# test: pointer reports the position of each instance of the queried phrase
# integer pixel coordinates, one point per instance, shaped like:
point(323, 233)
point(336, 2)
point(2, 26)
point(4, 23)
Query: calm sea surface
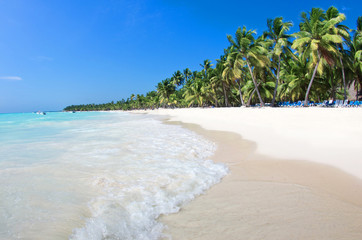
point(97, 175)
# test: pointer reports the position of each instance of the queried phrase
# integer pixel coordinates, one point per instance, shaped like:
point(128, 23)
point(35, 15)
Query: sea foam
point(102, 176)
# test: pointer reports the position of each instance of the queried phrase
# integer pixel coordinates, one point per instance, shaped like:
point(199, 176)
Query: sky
point(63, 52)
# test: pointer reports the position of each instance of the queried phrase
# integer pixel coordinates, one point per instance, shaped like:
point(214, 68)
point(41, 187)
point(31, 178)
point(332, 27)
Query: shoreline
point(330, 136)
point(267, 197)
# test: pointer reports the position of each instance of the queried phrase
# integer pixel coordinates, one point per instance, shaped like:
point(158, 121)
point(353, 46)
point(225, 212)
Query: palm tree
point(216, 81)
point(164, 90)
point(178, 78)
point(280, 43)
point(252, 52)
point(195, 93)
point(132, 96)
point(356, 50)
point(249, 91)
point(317, 41)
point(206, 66)
point(233, 72)
point(342, 31)
point(187, 73)
point(295, 77)
point(152, 99)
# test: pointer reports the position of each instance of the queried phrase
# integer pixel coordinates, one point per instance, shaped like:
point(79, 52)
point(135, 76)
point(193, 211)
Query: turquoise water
point(97, 175)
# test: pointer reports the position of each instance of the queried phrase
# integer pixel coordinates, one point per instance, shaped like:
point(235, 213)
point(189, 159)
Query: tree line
point(319, 62)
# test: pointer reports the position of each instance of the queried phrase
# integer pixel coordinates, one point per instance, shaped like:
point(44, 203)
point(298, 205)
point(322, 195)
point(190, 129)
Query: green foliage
point(264, 69)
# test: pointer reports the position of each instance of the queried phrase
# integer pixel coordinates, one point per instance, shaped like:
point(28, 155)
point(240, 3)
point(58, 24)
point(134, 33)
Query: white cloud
point(11, 78)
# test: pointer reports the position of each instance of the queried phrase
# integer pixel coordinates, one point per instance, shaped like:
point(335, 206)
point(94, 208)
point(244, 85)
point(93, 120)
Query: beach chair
point(340, 103)
point(331, 103)
point(345, 104)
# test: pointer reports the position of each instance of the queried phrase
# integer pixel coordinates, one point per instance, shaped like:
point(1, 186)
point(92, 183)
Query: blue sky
point(63, 52)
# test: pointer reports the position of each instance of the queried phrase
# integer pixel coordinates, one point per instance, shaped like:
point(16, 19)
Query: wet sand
point(297, 176)
point(266, 198)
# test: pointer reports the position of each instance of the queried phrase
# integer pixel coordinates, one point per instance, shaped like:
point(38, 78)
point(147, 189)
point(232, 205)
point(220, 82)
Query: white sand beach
point(295, 173)
point(330, 136)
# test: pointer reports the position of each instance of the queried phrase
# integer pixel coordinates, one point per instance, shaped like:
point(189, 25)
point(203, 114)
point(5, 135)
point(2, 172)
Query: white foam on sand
point(269, 194)
point(330, 136)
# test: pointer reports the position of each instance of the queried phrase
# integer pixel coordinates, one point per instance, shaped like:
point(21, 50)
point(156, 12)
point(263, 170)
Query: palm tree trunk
point(344, 79)
point(311, 82)
point(226, 96)
point(334, 92)
point(256, 86)
point(251, 95)
point(215, 97)
point(357, 90)
point(199, 101)
point(276, 83)
point(241, 95)
point(334, 88)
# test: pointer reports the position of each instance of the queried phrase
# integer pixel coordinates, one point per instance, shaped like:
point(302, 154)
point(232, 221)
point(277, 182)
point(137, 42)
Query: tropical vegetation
point(318, 62)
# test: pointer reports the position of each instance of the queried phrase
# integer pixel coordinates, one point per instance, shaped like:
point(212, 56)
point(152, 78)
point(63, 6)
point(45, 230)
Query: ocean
point(97, 175)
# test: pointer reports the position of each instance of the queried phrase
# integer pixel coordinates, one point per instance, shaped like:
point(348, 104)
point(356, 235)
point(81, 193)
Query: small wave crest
point(164, 169)
point(98, 175)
